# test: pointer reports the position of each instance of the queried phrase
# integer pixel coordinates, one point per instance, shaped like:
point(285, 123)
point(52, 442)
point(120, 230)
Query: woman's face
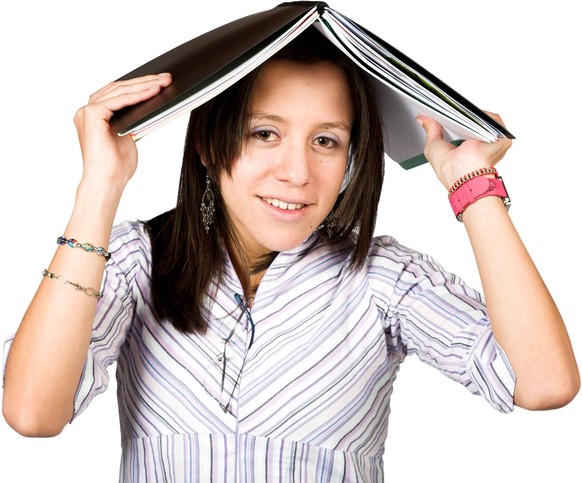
point(294, 155)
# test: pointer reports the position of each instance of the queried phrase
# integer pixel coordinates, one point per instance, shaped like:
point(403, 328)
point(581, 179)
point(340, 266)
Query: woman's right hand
point(107, 157)
point(49, 351)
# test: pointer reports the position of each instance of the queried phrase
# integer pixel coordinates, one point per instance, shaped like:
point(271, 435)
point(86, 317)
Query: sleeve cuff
point(491, 374)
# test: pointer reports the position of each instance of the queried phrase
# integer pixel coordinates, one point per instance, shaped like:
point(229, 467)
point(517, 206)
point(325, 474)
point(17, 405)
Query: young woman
point(258, 326)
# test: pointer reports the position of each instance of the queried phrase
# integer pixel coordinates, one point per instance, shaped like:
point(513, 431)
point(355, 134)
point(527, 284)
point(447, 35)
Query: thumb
point(436, 147)
point(433, 129)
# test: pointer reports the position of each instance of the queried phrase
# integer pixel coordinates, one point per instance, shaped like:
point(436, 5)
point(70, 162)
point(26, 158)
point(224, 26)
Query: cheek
point(333, 175)
point(249, 168)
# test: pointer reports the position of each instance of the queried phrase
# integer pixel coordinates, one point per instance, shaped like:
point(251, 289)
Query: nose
point(293, 165)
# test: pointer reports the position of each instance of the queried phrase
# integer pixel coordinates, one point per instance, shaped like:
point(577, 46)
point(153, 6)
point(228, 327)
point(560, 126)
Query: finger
point(495, 117)
point(127, 82)
point(433, 129)
point(502, 144)
point(131, 85)
point(120, 88)
point(498, 149)
point(120, 95)
point(435, 143)
point(104, 108)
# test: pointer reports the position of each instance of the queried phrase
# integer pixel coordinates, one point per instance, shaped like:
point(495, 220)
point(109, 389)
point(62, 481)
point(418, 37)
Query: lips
point(283, 205)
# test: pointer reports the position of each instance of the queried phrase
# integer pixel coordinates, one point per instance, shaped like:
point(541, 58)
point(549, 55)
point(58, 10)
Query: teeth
point(284, 206)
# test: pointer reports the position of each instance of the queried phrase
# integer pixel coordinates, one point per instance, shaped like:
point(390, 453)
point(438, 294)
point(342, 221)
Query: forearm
point(48, 354)
point(524, 317)
point(47, 357)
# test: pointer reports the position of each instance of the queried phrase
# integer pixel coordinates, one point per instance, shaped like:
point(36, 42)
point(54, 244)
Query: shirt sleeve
point(126, 280)
point(435, 315)
point(129, 263)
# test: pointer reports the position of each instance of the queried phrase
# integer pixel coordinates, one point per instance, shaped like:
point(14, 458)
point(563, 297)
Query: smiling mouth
point(283, 205)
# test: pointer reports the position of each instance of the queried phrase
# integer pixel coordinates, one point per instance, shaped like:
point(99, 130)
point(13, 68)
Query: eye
point(266, 135)
point(325, 142)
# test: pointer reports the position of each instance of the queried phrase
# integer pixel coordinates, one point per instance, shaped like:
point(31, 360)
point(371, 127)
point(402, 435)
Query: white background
point(517, 60)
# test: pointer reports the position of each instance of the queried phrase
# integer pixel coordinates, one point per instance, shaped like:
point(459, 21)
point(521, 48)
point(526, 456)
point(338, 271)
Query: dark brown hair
point(185, 258)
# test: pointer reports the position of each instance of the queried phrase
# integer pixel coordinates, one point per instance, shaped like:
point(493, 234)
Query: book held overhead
point(207, 65)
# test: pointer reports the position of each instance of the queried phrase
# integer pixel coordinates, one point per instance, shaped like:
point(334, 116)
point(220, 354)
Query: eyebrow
point(324, 125)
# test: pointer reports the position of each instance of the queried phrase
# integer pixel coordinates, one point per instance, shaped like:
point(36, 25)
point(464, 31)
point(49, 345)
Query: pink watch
point(475, 189)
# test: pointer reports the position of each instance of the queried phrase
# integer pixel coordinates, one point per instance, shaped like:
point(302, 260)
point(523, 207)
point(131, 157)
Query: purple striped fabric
point(313, 392)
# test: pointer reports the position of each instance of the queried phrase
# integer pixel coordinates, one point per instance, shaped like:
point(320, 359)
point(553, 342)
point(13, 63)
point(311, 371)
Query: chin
point(285, 243)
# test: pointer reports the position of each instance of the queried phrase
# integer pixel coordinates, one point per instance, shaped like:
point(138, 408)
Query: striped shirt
point(308, 399)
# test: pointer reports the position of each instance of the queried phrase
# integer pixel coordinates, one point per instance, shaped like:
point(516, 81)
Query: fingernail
point(419, 122)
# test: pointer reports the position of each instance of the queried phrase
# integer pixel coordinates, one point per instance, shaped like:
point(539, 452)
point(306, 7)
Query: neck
point(250, 270)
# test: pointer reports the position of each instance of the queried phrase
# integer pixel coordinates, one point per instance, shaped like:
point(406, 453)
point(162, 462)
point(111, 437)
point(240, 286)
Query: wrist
point(101, 191)
point(474, 187)
point(488, 171)
point(96, 202)
point(453, 173)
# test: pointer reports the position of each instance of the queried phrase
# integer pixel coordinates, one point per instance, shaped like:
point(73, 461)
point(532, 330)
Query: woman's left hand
point(451, 162)
point(525, 320)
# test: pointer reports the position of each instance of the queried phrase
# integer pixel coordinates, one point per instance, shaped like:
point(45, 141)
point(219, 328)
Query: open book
point(207, 65)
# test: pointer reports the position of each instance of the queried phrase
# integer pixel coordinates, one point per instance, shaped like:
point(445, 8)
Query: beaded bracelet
point(473, 174)
point(91, 292)
point(85, 246)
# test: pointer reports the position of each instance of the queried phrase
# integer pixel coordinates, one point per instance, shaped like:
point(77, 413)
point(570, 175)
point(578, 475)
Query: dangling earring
point(207, 205)
point(329, 224)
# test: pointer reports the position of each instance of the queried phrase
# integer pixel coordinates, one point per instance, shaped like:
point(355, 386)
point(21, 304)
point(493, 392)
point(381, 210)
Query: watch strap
point(475, 189)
